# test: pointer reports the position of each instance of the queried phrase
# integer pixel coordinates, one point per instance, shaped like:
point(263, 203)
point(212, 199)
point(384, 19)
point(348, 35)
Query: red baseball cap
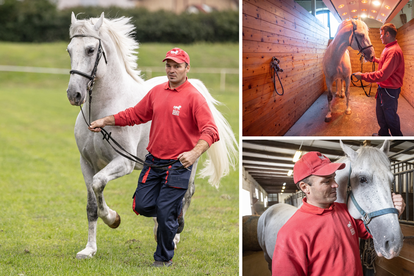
point(177, 55)
point(314, 163)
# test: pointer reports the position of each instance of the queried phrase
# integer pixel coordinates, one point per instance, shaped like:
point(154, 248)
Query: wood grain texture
point(283, 29)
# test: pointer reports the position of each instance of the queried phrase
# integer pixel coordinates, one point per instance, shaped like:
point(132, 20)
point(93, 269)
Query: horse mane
point(120, 30)
point(349, 21)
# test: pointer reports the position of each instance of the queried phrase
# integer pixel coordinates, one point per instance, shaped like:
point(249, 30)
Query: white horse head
point(370, 181)
point(358, 34)
point(117, 45)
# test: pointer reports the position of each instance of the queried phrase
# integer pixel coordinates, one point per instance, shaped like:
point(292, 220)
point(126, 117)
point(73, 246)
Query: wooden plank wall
point(283, 29)
point(405, 38)
point(404, 263)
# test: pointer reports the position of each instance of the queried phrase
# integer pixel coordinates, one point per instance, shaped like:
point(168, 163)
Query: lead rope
point(362, 85)
point(274, 64)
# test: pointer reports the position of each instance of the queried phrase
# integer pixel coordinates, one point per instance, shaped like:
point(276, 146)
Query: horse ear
point(98, 24)
point(348, 151)
point(73, 18)
point(386, 147)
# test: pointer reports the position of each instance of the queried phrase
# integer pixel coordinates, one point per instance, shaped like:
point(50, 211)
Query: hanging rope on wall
point(274, 65)
point(361, 59)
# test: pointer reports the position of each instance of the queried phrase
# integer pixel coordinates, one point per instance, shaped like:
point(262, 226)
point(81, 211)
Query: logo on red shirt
point(176, 110)
point(351, 228)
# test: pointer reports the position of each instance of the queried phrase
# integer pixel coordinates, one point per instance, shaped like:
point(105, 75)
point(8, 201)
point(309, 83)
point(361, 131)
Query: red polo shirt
point(390, 73)
point(180, 117)
point(316, 241)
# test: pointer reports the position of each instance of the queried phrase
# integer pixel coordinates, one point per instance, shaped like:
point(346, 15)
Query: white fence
point(147, 70)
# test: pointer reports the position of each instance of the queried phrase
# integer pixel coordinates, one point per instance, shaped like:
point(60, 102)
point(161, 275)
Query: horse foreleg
point(91, 210)
point(347, 84)
point(116, 168)
point(328, 116)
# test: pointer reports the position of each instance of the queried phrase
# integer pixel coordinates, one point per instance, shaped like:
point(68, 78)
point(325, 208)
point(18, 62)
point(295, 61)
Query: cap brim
point(178, 60)
point(329, 169)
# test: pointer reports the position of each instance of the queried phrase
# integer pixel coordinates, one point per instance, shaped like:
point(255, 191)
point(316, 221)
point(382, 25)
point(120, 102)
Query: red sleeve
point(390, 64)
point(362, 231)
point(286, 259)
point(206, 124)
point(139, 114)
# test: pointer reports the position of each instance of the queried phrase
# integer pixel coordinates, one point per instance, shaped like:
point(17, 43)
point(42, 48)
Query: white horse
point(336, 62)
point(370, 181)
point(119, 86)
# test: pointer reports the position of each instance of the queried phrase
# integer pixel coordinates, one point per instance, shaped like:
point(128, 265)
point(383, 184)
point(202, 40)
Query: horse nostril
point(78, 96)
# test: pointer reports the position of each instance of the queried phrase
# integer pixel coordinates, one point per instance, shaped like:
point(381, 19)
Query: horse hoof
point(327, 119)
point(85, 254)
point(117, 222)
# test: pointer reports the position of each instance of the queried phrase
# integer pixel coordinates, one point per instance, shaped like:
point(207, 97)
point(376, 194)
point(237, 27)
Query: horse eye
point(91, 50)
point(363, 180)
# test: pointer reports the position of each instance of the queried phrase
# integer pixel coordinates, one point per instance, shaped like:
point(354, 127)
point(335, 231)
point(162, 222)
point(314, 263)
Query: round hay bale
point(250, 242)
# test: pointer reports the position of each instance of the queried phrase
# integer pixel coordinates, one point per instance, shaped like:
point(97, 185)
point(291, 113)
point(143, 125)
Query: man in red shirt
point(389, 77)
point(182, 128)
point(321, 238)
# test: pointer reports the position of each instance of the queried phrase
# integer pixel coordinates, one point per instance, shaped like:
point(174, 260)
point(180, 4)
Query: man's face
point(384, 37)
point(322, 191)
point(176, 72)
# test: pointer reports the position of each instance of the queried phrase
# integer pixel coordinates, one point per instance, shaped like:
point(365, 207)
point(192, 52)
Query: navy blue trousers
point(386, 109)
point(160, 194)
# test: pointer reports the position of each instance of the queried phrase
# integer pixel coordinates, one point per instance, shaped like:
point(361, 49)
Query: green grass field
point(43, 220)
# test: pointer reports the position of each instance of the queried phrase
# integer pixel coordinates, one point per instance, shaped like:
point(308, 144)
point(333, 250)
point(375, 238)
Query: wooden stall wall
point(285, 30)
point(404, 263)
point(405, 38)
point(374, 36)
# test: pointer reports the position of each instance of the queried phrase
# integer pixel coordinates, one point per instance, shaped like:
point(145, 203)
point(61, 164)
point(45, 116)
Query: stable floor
point(361, 122)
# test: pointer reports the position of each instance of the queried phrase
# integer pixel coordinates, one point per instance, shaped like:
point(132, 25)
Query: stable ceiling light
point(341, 6)
point(363, 15)
point(387, 7)
point(355, 16)
point(374, 11)
point(376, 3)
point(284, 184)
point(289, 173)
point(383, 14)
point(296, 156)
point(364, 1)
point(353, 10)
point(364, 10)
point(345, 13)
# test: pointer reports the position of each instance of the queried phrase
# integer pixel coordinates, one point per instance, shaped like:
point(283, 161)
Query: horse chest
point(94, 150)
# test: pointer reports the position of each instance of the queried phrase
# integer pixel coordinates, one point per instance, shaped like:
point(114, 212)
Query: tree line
point(41, 21)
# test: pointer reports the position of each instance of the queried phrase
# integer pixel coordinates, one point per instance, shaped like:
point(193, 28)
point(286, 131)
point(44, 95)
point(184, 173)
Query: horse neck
point(116, 83)
point(340, 43)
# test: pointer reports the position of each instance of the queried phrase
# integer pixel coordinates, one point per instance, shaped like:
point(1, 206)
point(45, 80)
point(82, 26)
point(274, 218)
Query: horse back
point(269, 224)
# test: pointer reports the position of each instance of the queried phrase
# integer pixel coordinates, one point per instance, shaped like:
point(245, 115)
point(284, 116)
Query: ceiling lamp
point(296, 157)
point(290, 172)
point(374, 11)
point(376, 3)
point(380, 20)
point(364, 1)
point(345, 13)
point(355, 16)
point(341, 6)
point(354, 11)
point(387, 7)
point(383, 14)
point(363, 15)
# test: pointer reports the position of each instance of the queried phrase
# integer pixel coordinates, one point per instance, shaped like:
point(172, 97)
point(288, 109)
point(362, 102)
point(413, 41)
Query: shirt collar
point(390, 44)
point(177, 89)
point(309, 208)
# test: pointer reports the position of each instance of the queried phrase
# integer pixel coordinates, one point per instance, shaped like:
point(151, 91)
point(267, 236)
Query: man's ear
point(304, 187)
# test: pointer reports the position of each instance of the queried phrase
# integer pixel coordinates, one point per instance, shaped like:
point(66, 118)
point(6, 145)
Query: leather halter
point(367, 217)
point(361, 49)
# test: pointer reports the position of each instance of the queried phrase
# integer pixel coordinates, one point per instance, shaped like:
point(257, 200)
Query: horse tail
point(222, 154)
